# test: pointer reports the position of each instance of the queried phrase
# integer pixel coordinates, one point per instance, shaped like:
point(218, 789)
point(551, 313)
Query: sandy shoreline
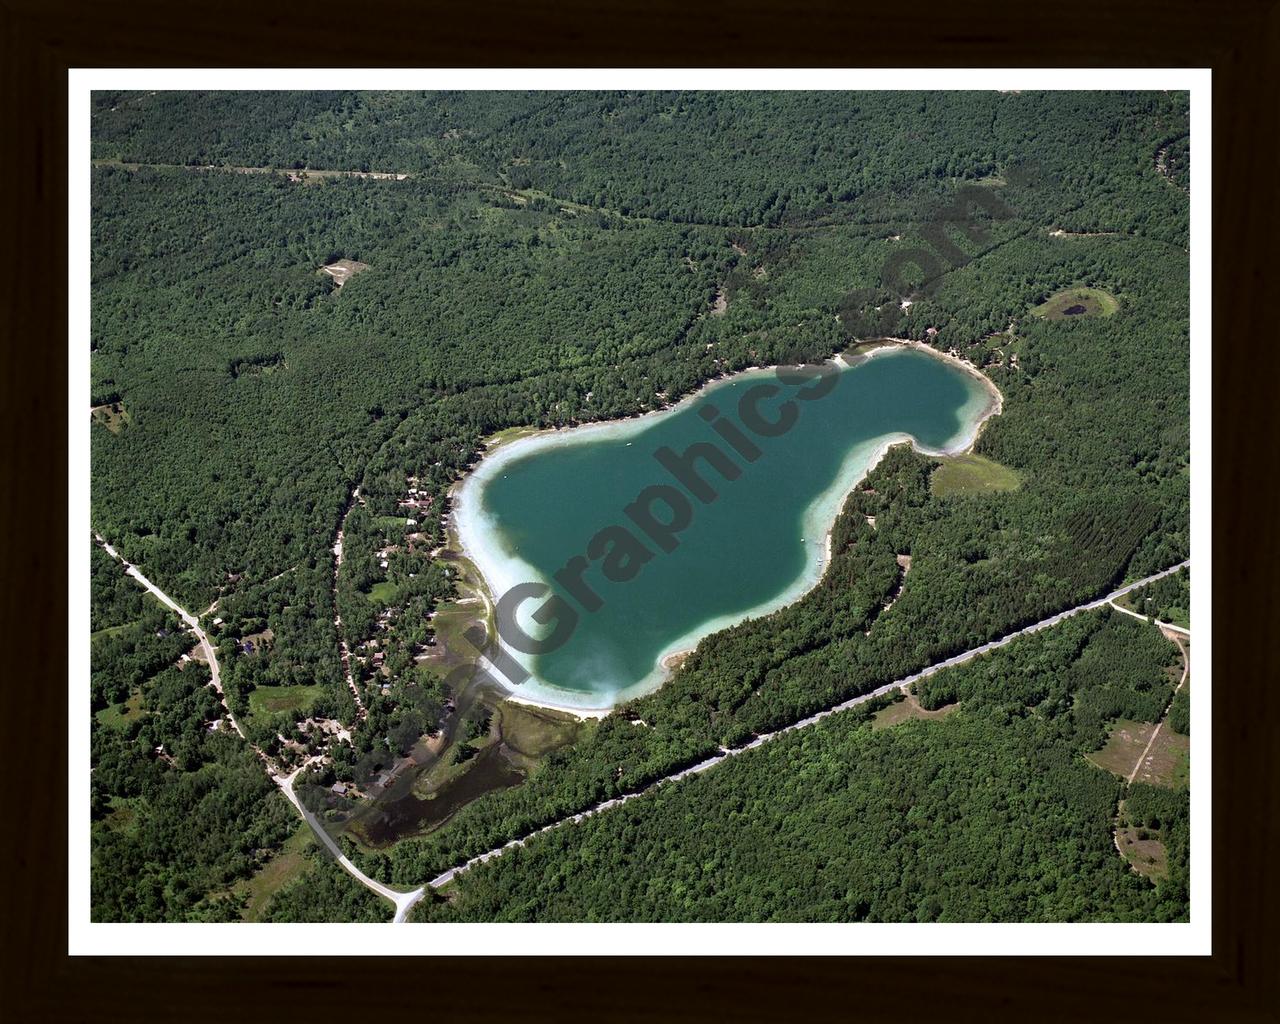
point(500, 450)
point(582, 714)
point(995, 407)
point(522, 435)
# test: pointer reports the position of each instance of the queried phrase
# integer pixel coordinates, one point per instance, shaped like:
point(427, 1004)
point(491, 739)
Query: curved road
point(188, 618)
point(1142, 618)
point(404, 901)
point(725, 754)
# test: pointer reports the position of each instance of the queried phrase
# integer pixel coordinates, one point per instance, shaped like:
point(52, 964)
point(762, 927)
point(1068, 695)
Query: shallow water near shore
point(757, 545)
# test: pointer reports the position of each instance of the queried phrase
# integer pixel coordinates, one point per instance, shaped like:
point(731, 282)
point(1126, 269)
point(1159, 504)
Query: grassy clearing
point(290, 863)
point(386, 593)
point(114, 417)
point(1125, 743)
point(117, 716)
point(1077, 302)
point(112, 631)
point(1144, 851)
point(504, 437)
point(429, 783)
point(123, 816)
point(972, 474)
point(535, 732)
point(271, 700)
point(451, 650)
point(905, 710)
point(1168, 762)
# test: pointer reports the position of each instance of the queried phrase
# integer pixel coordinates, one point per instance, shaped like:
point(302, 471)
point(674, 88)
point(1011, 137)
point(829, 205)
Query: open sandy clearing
point(343, 270)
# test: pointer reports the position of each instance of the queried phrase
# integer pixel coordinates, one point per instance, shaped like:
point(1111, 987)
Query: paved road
point(188, 618)
point(403, 901)
point(725, 754)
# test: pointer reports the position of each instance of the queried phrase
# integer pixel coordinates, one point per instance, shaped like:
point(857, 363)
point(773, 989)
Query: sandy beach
point(500, 571)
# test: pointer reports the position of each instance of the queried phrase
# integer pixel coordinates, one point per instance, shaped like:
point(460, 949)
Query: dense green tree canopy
point(551, 259)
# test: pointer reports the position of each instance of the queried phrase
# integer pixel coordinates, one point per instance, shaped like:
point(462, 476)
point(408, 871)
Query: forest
point(551, 259)
point(1165, 600)
point(989, 814)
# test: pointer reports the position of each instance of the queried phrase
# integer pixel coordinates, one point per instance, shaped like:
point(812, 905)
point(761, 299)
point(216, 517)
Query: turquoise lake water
point(756, 545)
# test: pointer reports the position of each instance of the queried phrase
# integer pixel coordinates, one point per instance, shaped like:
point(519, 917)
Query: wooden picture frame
point(1239, 40)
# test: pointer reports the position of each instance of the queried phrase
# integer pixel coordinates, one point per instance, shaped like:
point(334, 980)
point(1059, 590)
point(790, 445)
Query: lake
point(634, 539)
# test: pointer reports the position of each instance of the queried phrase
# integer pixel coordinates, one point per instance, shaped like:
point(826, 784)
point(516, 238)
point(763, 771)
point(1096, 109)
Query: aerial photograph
point(638, 506)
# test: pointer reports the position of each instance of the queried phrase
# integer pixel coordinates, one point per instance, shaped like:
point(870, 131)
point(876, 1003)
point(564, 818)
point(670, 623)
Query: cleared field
point(111, 631)
point(1146, 856)
point(905, 710)
point(385, 592)
point(972, 474)
point(1168, 762)
point(1077, 302)
point(343, 270)
point(274, 875)
point(503, 437)
point(535, 732)
point(271, 700)
point(123, 815)
point(117, 716)
point(1124, 746)
point(114, 416)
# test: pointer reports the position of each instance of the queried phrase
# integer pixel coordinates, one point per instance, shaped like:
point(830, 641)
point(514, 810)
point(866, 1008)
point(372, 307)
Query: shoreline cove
point(500, 570)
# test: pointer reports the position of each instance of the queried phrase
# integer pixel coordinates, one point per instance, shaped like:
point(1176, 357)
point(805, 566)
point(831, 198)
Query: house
point(340, 788)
